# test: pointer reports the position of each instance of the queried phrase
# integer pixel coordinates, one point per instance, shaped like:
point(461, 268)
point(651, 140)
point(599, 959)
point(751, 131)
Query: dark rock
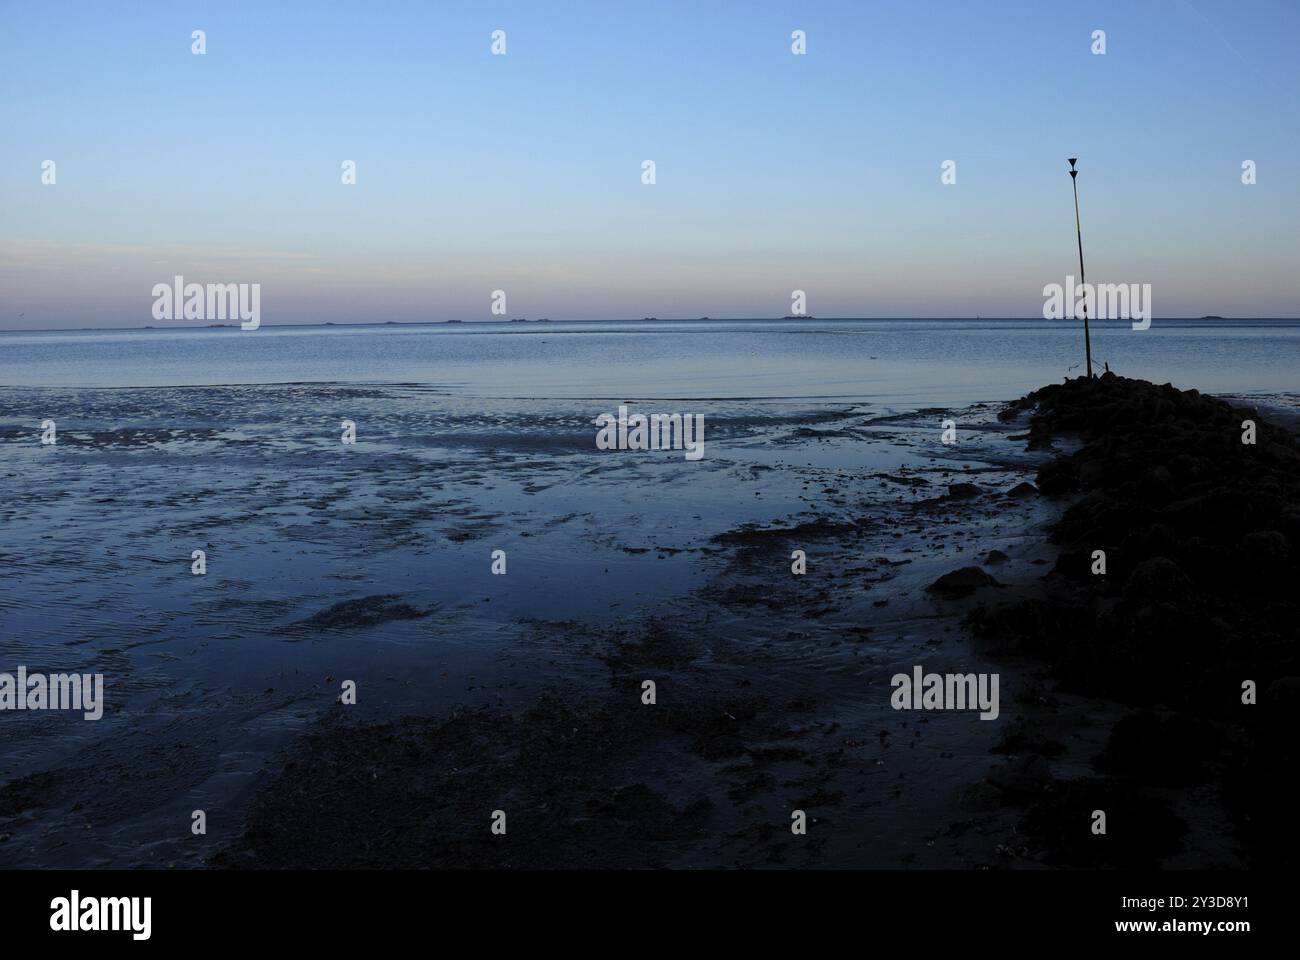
point(1284, 692)
point(961, 583)
point(361, 612)
point(1058, 477)
point(1157, 579)
point(1092, 473)
point(1202, 541)
point(1267, 545)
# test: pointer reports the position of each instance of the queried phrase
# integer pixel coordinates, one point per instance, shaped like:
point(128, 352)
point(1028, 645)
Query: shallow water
point(904, 362)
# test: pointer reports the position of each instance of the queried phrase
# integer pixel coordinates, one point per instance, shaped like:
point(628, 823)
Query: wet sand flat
point(372, 564)
point(520, 692)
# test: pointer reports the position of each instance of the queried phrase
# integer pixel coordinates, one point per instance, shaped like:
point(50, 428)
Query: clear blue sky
point(775, 172)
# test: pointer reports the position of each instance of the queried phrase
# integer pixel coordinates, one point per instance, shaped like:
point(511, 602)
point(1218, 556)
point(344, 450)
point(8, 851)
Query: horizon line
point(234, 325)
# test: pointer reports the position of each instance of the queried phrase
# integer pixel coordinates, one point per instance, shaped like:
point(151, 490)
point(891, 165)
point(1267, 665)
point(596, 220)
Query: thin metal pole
point(1078, 229)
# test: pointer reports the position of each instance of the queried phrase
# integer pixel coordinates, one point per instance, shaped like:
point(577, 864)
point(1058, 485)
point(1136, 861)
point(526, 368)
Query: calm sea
point(909, 362)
